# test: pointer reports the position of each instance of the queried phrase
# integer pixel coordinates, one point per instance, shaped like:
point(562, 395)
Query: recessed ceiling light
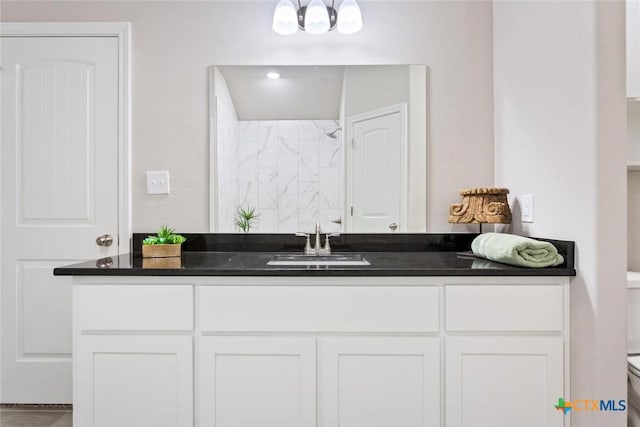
point(273, 75)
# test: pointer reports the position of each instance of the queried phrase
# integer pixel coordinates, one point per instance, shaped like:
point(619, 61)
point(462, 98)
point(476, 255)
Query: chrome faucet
point(317, 249)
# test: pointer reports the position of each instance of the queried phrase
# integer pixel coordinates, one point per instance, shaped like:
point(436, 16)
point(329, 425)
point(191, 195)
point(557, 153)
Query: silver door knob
point(104, 240)
point(393, 226)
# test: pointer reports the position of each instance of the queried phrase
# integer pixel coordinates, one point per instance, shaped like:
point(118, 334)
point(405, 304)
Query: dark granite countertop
point(243, 255)
point(255, 264)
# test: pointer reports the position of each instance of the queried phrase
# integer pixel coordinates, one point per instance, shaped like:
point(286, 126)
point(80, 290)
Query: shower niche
point(281, 147)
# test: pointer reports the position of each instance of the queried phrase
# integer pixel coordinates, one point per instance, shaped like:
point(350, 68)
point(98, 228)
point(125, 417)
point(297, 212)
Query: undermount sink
point(328, 260)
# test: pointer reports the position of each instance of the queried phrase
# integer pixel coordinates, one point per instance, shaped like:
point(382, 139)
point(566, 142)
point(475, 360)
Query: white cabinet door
point(504, 381)
point(133, 381)
point(379, 382)
point(257, 382)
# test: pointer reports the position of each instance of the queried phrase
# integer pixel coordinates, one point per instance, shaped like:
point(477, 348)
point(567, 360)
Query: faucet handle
point(326, 250)
point(308, 250)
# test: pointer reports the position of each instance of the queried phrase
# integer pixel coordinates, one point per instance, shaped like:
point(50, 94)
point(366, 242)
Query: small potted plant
point(164, 244)
point(246, 218)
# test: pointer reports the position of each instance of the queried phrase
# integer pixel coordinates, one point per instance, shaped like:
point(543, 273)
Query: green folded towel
point(516, 250)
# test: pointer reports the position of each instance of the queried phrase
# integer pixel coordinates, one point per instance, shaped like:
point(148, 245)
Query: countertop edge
point(567, 272)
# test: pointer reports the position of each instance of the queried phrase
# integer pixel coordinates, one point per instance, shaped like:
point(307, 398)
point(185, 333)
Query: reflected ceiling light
point(273, 75)
point(316, 17)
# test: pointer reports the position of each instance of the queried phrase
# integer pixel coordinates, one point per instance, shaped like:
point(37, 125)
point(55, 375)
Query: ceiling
point(301, 93)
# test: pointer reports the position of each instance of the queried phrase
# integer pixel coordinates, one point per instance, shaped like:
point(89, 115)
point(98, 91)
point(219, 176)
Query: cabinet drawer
point(135, 307)
point(319, 308)
point(503, 308)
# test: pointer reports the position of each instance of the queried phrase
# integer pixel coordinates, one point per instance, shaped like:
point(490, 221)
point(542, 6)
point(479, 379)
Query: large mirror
point(343, 145)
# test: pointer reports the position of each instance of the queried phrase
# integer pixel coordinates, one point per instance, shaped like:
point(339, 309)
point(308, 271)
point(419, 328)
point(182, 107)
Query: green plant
point(245, 218)
point(165, 236)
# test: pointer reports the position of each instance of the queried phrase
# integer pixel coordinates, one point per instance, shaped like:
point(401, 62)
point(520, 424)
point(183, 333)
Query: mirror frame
point(415, 156)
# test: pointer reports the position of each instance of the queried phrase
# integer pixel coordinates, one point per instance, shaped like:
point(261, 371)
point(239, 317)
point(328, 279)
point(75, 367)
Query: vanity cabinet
point(504, 381)
point(320, 351)
point(133, 355)
point(257, 381)
point(133, 380)
point(505, 354)
point(379, 381)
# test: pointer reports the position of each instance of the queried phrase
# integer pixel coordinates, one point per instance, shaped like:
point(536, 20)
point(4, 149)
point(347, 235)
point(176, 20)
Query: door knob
point(337, 220)
point(393, 226)
point(104, 240)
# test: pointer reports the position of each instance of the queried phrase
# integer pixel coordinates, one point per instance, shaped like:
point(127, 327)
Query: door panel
point(55, 138)
point(59, 177)
point(44, 302)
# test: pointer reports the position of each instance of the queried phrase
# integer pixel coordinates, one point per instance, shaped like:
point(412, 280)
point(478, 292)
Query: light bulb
point(349, 17)
point(285, 18)
point(273, 75)
point(316, 18)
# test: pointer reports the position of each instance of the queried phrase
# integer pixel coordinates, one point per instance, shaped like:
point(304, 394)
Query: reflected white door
point(59, 193)
point(377, 197)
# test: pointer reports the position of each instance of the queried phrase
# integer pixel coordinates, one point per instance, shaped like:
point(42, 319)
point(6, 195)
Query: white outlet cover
point(527, 208)
point(158, 182)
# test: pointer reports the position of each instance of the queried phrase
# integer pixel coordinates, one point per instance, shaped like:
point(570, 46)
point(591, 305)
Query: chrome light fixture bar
point(316, 17)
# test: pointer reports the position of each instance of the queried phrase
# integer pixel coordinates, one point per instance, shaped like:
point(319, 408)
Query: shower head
point(333, 133)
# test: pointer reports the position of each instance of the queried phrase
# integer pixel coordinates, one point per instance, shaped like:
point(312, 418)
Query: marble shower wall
point(290, 171)
point(227, 161)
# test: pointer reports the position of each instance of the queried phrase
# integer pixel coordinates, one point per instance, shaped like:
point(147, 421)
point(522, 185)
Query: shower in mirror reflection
point(332, 134)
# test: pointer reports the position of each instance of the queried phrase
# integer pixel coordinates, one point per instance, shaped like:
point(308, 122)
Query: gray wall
point(633, 187)
point(174, 42)
point(560, 134)
point(363, 91)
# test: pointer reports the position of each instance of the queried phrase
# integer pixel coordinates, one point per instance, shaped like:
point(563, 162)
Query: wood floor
point(35, 417)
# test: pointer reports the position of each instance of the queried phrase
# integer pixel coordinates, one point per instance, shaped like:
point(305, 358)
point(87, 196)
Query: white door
point(504, 381)
point(59, 175)
point(377, 174)
point(257, 381)
point(134, 381)
point(379, 381)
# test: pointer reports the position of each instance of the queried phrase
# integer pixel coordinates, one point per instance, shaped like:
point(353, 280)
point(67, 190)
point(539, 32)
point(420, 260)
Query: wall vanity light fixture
point(316, 17)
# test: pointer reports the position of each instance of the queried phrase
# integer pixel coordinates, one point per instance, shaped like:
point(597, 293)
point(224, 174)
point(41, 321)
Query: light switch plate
point(158, 182)
point(527, 208)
